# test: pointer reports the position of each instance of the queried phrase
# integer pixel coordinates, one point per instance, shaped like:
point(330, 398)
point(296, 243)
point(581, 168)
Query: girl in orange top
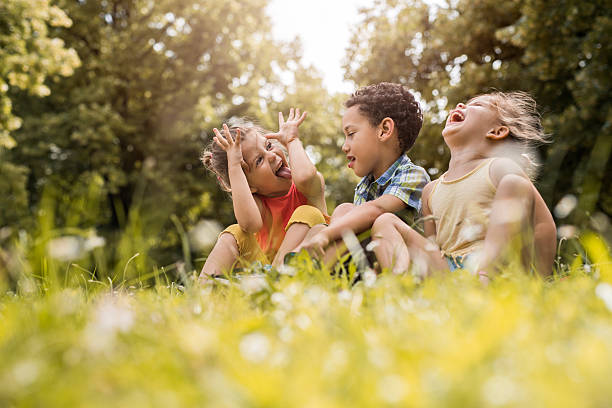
point(275, 204)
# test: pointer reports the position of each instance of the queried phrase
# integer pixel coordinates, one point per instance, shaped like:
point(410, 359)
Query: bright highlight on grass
point(306, 338)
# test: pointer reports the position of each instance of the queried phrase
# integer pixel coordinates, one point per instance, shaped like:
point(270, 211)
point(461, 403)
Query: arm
point(304, 174)
point(511, 217)
point(246, 208)
point(429, 223)
point(358, 219)
point(545, 236)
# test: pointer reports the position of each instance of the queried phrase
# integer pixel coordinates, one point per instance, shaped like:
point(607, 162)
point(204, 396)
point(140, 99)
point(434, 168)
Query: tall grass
point(88, 322)
point(300, 337)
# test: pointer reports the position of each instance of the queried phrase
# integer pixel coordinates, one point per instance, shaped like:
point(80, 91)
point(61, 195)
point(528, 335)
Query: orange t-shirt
point(271, 235)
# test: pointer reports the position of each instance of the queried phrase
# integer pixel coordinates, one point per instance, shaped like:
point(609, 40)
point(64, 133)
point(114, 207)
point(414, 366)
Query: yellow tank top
point(461, 210)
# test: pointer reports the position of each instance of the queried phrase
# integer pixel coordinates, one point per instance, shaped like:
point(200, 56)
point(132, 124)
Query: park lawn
point(307, 339)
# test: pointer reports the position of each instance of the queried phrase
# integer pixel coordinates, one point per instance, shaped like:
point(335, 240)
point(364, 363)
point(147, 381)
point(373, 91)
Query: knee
point(383, 222)
point(341, 210)
point(306, 214)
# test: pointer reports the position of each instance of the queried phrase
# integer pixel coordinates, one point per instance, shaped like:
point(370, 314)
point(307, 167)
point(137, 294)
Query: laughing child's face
point(267, 170)
point(361, 142)
point(473, 119)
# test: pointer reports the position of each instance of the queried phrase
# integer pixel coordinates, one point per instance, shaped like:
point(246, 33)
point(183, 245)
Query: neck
point(461, 155)
point(384, 163)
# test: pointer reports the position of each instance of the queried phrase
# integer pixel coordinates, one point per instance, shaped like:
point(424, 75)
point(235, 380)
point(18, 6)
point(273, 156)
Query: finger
point(227, 134)
point(301, 119)
point(218, 138)
point(297, 113)
point(238, 136)
point(291, 113)
point(281, 119)
point(272, 136)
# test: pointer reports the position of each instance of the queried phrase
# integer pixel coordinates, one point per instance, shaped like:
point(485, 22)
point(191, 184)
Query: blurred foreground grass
point(307, 339)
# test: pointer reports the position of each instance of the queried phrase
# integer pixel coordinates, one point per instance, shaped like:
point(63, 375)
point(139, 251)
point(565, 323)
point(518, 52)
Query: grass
point(308, 339)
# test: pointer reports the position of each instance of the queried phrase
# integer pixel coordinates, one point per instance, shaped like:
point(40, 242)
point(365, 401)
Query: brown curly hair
point(395, 101)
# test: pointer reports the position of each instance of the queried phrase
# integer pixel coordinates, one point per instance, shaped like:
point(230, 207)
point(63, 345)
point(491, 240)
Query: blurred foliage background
point(106, 105)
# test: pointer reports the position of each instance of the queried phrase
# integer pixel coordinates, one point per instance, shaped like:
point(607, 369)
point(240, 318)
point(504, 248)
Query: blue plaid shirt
point(403, 179)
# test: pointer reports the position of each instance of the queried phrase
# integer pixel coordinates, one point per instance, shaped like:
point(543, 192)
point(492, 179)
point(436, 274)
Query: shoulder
point(427, 191)
point(409, 173)
point(503, 166)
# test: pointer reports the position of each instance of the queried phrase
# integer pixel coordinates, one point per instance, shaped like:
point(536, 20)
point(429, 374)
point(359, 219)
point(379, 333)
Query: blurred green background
point(106, 105)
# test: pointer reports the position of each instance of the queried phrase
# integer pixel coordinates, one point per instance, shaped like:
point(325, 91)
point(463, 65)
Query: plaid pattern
point(403, 179)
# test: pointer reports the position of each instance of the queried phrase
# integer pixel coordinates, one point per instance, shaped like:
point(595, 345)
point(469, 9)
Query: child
point(275, 205)
point(381, 123)
point(484, 201)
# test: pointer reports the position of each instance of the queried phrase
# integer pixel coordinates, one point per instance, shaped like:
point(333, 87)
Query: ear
point(386, 128)
point(498, 133)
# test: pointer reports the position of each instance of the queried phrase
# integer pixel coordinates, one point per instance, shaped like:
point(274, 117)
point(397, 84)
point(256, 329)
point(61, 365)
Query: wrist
point(292, 140)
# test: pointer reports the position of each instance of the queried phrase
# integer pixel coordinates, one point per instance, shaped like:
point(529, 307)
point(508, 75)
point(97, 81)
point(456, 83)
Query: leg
point(340, 210)
point(303, 219)
point(222, 256)
point(397, 246)
point(293, 237)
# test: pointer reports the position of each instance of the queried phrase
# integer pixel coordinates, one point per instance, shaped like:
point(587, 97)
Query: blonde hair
point(517, 110)
point(214, 157)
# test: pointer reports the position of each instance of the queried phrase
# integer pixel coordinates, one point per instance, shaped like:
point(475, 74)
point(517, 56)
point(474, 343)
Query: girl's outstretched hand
point(288, 130)
point(231, 146)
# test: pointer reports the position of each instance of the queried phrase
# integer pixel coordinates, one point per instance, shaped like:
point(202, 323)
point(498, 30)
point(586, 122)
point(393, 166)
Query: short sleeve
point(407, 184)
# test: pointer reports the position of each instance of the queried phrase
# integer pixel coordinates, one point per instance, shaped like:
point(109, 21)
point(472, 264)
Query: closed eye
point(258, 161)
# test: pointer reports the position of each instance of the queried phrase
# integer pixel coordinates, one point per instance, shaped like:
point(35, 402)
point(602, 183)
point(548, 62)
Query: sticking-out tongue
point(284, 172)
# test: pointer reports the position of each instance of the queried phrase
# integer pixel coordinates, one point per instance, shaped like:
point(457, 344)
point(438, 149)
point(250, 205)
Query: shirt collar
point(385, 177)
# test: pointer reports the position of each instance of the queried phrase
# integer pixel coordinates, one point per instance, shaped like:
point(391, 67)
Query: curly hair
point(395, 101)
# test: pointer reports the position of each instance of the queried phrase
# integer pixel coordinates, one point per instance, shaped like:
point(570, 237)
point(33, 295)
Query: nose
point(345, 146)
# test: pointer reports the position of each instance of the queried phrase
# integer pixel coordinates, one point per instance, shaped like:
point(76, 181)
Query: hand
point(288, 131)
point(231, 146)
point(315, 245)
point(483, 277)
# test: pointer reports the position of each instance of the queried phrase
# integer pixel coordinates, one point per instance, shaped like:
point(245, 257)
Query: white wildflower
point(565, 206)
point(204, 234)
point(392, 388)
point(68, 248)
point(254, 347)
point(253, 283)
point(604, 292)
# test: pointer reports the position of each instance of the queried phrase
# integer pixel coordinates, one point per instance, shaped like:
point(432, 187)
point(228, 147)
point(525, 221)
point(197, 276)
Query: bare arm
point(512, 215)
point(358, 219)
point(246, 209)
point(303, 172)
point(429, 223)
point(545, 236)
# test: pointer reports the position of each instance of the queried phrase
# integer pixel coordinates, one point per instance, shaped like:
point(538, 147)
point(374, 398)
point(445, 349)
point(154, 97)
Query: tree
point(29, 55)
point(156, 77)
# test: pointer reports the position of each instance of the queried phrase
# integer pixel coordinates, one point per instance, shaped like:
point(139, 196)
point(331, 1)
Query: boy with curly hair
point(380, 124)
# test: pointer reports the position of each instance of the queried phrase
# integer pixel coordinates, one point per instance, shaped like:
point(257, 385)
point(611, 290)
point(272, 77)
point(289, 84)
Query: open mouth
point(283, 171)
point(351, 161)
point(456, 116)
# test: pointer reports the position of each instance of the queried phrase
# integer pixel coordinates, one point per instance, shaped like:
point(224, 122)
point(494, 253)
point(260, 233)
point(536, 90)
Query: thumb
point(273, 136)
